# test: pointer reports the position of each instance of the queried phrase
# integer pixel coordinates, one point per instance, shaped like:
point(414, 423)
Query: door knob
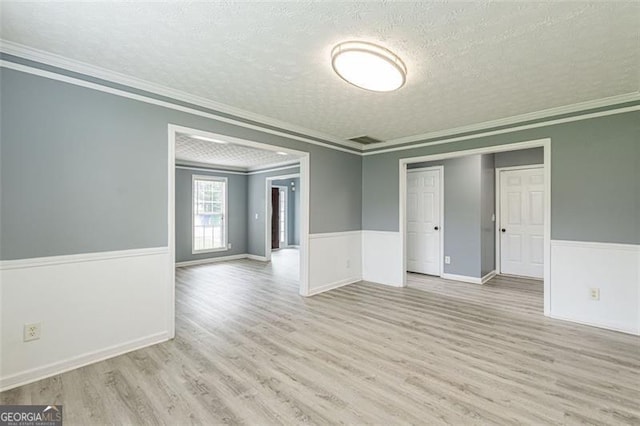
point(436, 228)
point(503, 230)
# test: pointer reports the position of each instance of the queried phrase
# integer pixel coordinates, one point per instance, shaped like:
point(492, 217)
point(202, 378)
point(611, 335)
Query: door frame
point(498, 206)
point(267, 215)
point(441, 230)
point(545, 143)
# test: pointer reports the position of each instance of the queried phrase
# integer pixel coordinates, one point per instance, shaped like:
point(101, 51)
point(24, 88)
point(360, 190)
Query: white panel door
point(522, 222)
point(423, 221)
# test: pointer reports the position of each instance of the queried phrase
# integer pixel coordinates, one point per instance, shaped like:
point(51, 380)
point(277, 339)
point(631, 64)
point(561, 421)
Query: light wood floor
point(249, 350)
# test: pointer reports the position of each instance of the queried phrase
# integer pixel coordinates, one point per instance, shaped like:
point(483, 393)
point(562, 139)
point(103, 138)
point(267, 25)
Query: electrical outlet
point(256, 216)
point(229, 246)
point(447, 260)
point(594, 293)
point(348, 264)
point(32, 331)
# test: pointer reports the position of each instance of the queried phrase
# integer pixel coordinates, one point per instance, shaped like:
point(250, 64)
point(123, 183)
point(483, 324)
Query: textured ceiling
point(467, 62)
point(190, 150)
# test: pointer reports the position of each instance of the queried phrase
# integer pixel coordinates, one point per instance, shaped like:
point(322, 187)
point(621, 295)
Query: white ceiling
point(467, 62)
point(234, 156)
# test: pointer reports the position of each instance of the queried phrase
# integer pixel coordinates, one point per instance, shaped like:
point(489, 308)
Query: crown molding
point(510, 121)
point(514, 123)
point(216, 167)
point(269, 167)
point(274, 169)
point(68, 64)
point(205, 167)
point(167, 104)
point(507, 130)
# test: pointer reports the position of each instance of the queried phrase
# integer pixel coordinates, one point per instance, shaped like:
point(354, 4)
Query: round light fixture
point(368, 66)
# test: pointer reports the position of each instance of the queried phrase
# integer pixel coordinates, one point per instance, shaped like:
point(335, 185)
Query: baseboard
point(467, 279)
point(35, 374)
point(334, 285)
point(621, 329)
point(210, 260)
point(488, 277)
point(385, 284)
point(256, 257)
point(462, 278)
point(221, 259)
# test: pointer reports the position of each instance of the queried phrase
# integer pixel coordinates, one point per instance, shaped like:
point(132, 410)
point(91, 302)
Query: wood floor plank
point(249, 350)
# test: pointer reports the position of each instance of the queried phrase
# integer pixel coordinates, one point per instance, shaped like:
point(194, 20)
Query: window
point(209, 213)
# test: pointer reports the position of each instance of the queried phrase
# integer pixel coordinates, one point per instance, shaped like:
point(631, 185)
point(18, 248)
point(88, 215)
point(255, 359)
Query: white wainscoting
point(91, 307)
point(335, 259)
point(382, 261)
point(576, 267)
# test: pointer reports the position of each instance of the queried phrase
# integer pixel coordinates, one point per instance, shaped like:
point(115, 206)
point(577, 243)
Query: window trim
point(225, 213)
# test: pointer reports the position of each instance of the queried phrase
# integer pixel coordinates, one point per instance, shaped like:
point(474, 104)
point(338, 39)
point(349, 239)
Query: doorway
point(404, 166)
point(279, 217)
point(174, 132)
point(520, 218)
point(283, 207)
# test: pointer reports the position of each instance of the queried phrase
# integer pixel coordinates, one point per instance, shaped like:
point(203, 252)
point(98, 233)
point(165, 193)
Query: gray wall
point(469, 203)
point(487, 214)
point(79, 171)
point(595, 156)
point(522, 157)
point(236, 216)
point(293, 209)
point(85, 171)
point(462, 215)
point(256, 206)
point(341, 177)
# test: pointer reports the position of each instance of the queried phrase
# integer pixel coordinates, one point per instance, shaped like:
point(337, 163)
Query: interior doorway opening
point(465, 216)
point(282, 223)
point(279, 217)
point(237, 211)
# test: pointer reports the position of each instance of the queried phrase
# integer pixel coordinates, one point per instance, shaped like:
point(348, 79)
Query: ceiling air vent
point(365, 140)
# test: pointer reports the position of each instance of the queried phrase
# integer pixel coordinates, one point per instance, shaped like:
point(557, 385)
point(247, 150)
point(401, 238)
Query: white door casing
point(522, 222)
point(424, 221)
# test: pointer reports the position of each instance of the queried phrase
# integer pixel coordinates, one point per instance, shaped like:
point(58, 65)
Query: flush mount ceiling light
point(204, 138)
point(368, 66)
